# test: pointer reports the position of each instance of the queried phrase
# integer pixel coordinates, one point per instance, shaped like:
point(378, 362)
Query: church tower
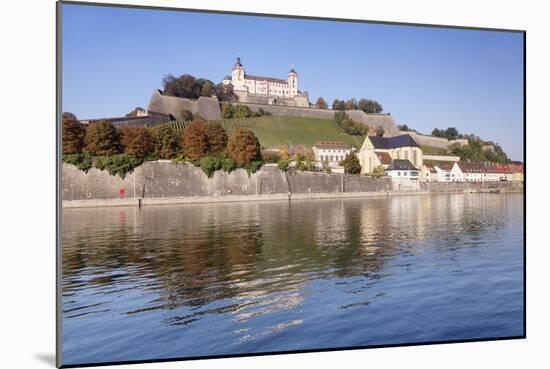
point(293, 83)
point(237, 75)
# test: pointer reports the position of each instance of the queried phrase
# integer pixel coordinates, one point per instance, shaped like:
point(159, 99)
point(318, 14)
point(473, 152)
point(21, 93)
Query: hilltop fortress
point(280, 97)
point(266, 90)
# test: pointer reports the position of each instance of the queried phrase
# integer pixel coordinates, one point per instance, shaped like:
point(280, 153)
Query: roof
point(268, 79)
point(401, 164)
point(384, 157)
point(445, 166)
point(292, 71)
point(331, 145)
point(430, 167)
point(386, 143)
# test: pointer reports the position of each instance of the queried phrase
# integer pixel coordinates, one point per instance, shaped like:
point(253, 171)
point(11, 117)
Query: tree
point(168, 143)
point(194, 138)
point(184, 86)
point(137, 141)
point(207, 88)
point(102, 138)
point(321, 103)
point(380, 131)
point(225, 93)
point(243, 147)
point(451, 133)
point(338, 104)
point(283, 153)
point(217, 138)
point(369, 106)
point(351, 164)
point(72, 136)
point(403, 127)
point(68, 115)
point(350, 104)
point(349, 126)
point(227, 110)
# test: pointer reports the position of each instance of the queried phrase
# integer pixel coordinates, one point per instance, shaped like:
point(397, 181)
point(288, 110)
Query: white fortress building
point(266, 90)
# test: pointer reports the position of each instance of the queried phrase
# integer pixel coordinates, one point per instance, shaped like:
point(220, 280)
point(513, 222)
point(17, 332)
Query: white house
point(403, 169)
point(331, 152)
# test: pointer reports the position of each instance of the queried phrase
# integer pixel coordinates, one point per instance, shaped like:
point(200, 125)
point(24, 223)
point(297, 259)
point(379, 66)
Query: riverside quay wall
point(163, 181)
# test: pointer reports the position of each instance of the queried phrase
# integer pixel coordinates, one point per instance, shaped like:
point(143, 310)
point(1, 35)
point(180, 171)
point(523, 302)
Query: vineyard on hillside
point(275, 131)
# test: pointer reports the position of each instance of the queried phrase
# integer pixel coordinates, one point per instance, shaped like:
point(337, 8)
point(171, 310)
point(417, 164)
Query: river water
point(216, 279)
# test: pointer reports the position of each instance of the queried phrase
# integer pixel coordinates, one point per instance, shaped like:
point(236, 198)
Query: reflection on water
point(215, 279)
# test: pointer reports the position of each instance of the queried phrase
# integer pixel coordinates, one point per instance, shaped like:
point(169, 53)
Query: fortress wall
point(166, 180)
point(439, 142)
point(206, 107)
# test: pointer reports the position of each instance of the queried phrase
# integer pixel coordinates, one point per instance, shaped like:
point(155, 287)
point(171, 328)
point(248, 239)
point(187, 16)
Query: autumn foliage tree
point(195, 139)
point(217, 138)
point(321, 103)
point(243, 147)
point(102, 138)
point(137, 141)
point(73, 133)
point(167, 142)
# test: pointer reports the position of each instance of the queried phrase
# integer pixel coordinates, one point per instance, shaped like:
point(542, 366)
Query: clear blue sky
point(113, 58)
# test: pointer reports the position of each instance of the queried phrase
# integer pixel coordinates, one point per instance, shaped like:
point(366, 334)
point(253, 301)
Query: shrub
point(241, 111)
point(102, 138)
point(81, 160)
point(137, 141)
point(72, 136)
point(243, 147)
point(378, 171)
point(283, 165)
point(167, 142)
point(228, 165)
point(253, 166)
point(120, 164)
point(195, 139)
point(227, 110)
point(326, 167)
point(209, 164)
point(271, 158)
point(217, 138)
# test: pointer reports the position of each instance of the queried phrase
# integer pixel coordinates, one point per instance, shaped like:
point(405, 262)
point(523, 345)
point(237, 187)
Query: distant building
point(143, 118)
point(331, 152)
point(266, 90)
point(376, 151)
point(402, 169)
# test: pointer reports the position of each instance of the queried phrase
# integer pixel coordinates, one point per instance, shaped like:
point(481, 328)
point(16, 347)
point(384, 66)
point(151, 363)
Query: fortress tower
point(268, 90)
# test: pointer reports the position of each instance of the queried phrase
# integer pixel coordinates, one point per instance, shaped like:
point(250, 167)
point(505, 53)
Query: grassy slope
point(274, 131)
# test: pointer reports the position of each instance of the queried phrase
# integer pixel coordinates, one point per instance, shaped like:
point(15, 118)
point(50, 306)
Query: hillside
point(274, 131)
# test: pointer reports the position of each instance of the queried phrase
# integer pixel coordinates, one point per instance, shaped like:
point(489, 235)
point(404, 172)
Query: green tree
point(369, 106)
point(207, 87)
point(137, 141)
point(168, 143)
point(403, 127)
point(283, 164)
point(243, 147)
point(350, 104)
point(68, 115)
point(72, 136)
point(102, 138)
point(351, 164)
point(184, 86)
point(338, 105)
point(194, 138)
point(225, 93)
point(241, 111)
point(321, 103)
point(217, 138)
